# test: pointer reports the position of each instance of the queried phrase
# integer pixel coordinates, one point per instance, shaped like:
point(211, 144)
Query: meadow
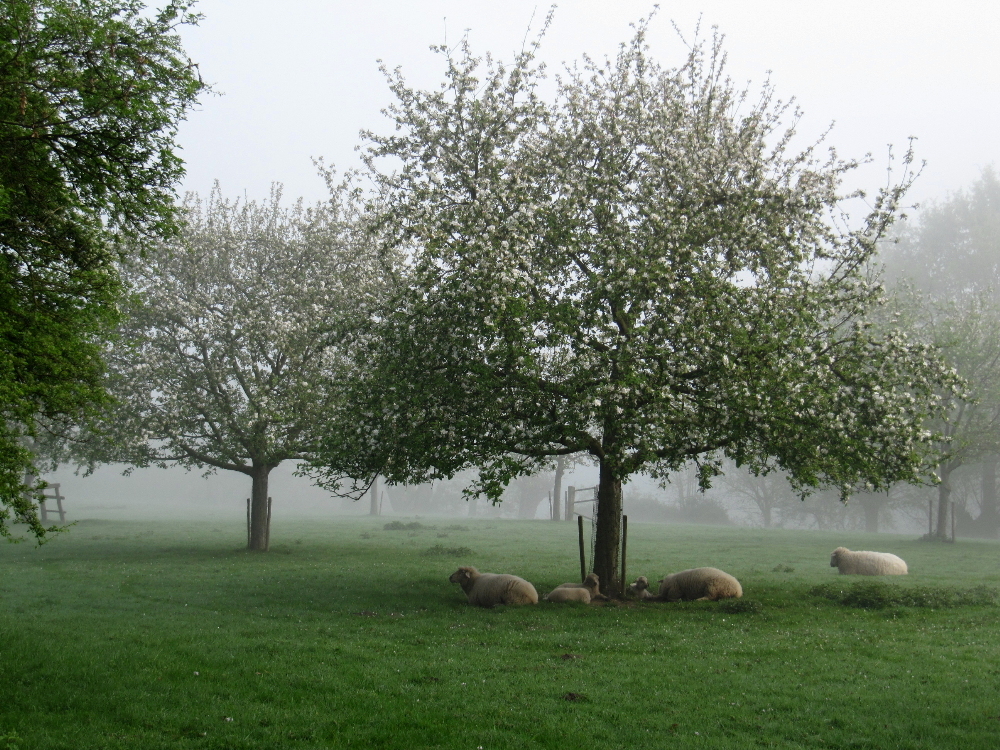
point(130, 634)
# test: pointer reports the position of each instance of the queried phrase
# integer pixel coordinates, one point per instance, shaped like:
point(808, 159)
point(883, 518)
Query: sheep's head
point(592, 582)
point(463, 575)
point(835, 557)
point(640, 584)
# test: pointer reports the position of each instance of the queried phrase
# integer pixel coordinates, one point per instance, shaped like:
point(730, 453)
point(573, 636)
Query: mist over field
point(298, 85)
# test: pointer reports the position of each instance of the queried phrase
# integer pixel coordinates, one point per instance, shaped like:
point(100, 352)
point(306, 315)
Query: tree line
point(642, 268)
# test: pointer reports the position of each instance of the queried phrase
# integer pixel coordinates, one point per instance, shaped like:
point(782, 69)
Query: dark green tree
point(91, 93)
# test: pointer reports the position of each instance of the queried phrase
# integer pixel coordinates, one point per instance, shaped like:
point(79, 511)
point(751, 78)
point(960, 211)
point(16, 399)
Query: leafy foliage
point(642, 270)
point(224, 356)
point(90, 98)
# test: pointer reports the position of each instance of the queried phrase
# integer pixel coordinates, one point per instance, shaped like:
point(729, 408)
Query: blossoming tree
point(641, 269)
point(223, 360)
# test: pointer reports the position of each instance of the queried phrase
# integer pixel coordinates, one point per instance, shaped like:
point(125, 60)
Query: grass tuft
point(400, 526)
point(741, 606)
point(879, 595)
point(440, 550)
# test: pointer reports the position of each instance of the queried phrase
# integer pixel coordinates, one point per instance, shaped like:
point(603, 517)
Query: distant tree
point(948, 255)
point(952, 247)
point(91, 94)
point(640, 271)
point(226, 349)
point(966, 330)
point(769, 495)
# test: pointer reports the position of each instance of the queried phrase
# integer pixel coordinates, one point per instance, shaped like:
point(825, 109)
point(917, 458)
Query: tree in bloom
point(642, 270)
point(228, 342)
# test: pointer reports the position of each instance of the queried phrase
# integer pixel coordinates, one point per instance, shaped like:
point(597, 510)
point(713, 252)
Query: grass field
point(163, 635)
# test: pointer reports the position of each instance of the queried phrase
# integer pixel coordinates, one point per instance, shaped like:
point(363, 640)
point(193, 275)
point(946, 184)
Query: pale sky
point(299, 79)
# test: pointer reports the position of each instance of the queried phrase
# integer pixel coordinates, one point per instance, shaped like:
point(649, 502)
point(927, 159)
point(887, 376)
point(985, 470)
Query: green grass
point(348, 634)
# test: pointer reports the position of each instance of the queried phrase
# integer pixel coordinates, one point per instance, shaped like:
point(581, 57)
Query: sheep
point(699, 584)
point(588, 591)
point(490, 589)
point(640, 588)
point(867, 563)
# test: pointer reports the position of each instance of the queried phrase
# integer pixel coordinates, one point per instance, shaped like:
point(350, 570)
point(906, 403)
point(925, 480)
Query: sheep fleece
point(569, 594)
point(491, 589)
point(699, 583)
point(864, 563)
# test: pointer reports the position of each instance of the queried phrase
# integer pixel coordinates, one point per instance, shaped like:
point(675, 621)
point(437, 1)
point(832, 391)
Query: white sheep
point(639, 588)
point(699, 584)
point(490, 589)
point(586, 592)
point(865, 563)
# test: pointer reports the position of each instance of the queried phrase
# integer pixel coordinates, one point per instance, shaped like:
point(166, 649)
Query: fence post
point(248, 523)
point(583, 555)
point(570, 502)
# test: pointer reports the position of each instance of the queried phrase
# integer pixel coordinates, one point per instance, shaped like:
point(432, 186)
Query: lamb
point(640, 588)
point(865, 563)
point(699, 584)
point(586, 592)
point(491, 589)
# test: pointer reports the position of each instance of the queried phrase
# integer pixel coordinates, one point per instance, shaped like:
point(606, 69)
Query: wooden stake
point(624, 545)
point(583, 555)
point(267, 530)
point(248, 523)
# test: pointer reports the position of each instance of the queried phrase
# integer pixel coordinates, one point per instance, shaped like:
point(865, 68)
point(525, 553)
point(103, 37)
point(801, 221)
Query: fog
point(297, 81)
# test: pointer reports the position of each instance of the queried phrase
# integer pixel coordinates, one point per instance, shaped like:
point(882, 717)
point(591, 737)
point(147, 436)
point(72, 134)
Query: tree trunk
point(557, 489)
point(989, 517)
point(374, 509)
point(528, 506)
point(765, 510)
point(258, 508)
point(871, 506)
point(609, 531)
point(944, 501)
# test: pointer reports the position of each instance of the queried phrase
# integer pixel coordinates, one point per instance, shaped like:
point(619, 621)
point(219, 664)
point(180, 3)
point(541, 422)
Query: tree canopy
point(91, 94)
point(642, 269)
point(225, 351)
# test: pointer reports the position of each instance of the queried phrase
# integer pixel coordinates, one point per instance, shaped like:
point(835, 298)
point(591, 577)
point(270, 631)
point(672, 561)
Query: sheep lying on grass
point(639, 588)
point(865, 563)
point(491, 589)
point(708, 584)
point(588, 591)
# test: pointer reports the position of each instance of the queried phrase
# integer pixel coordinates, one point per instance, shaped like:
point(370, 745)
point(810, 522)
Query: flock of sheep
point(696, 584)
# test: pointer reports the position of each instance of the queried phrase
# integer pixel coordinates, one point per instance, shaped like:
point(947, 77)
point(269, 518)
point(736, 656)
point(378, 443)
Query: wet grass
point(159, 635)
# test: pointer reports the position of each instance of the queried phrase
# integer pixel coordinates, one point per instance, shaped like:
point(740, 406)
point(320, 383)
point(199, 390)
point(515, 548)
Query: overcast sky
point(299, 79)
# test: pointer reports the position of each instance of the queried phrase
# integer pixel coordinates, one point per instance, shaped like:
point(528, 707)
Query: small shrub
point(782, 569)
point(440, 550)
